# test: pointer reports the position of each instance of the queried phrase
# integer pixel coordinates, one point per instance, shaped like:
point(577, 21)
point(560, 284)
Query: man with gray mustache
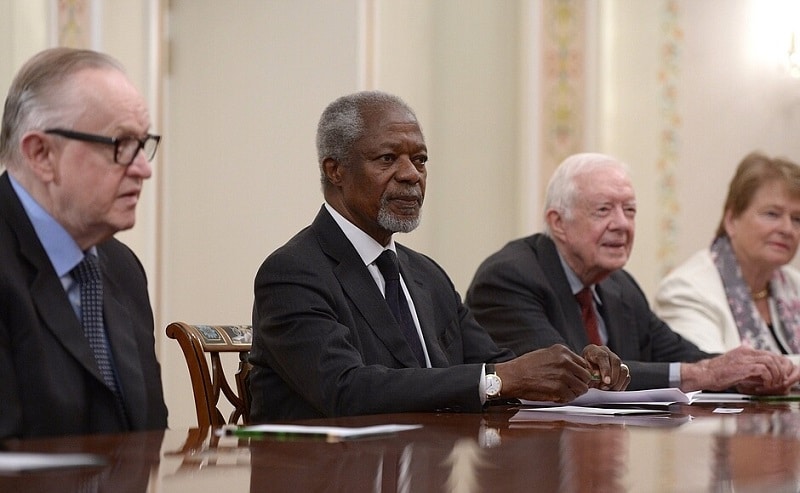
point(339, 331)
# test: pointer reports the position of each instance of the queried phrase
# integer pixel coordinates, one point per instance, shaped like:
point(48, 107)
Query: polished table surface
point(694, 449)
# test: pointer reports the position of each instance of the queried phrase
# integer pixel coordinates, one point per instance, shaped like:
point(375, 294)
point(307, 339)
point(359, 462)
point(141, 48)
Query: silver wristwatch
point(493, 383)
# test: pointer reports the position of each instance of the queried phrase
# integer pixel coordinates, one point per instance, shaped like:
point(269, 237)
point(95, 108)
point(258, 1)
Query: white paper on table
point(330, 433)
point(596, 397)
point(28, 461)
point(720, 397)
point(590, 410)
point(544, 417)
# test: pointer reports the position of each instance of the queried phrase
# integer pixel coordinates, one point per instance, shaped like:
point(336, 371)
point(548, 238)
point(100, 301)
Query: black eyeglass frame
point(115, 141)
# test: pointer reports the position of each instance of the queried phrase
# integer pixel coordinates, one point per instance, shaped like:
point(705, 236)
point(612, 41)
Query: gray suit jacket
point(49, 381)
point(522, 297)
point(326, 344)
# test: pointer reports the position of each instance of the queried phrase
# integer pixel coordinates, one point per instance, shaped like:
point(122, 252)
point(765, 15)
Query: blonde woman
point(740, 290)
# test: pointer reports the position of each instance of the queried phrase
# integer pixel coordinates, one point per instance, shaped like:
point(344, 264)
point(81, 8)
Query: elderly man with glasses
point(76, 327)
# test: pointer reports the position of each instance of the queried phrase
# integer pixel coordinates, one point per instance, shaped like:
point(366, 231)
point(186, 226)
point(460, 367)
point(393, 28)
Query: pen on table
point(279, 435)
point(774, 398)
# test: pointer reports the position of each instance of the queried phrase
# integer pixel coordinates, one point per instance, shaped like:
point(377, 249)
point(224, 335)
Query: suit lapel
point(618, 317)
point(47, 292)
point(123, 344)
point(423, 303)
point(575, 335)
point(359, 286)
point(60, 319)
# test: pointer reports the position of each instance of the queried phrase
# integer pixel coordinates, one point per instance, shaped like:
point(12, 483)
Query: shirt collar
point(575, 283)
point(366, 246)
point(63, 252)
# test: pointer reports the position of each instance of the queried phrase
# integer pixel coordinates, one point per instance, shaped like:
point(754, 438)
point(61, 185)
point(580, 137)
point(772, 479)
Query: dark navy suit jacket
point(49, 381)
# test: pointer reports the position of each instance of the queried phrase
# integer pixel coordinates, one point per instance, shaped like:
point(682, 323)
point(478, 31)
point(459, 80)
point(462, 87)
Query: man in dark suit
point(326, 342)
point(526, 294)
point(76, 353)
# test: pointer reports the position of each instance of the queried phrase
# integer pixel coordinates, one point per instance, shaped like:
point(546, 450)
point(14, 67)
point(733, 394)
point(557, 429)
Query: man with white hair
point(567, 286)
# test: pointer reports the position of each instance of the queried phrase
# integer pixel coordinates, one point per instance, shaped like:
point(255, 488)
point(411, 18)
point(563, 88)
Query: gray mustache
point(411, 192)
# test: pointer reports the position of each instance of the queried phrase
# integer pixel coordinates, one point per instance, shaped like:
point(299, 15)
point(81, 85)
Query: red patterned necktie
point(588, 316)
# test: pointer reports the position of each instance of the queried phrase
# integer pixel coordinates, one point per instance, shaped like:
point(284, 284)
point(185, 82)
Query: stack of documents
point(631, 398)
point(636, 407)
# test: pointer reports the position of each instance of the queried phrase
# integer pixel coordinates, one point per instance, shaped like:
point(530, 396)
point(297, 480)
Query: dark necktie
point(87, 275)
point(588, 316)
point(396, 299)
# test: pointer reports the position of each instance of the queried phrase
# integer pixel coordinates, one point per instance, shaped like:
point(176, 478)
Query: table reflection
point(464, 463)
point(416, 460)
point(593, 460)
point(132, 464)
point(699, 450)
point(752, 463)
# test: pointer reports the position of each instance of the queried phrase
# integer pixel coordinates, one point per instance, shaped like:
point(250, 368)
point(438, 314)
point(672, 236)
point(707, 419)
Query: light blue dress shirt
point(61, 249)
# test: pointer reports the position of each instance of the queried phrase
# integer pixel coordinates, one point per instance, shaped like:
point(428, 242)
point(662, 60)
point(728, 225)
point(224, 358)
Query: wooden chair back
point(203, 343)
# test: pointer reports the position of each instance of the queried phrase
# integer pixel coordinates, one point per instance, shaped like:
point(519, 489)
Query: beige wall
point(241, 90)
point(240, 173)
point(23, 31)
point(728, 95)
point(240, 168)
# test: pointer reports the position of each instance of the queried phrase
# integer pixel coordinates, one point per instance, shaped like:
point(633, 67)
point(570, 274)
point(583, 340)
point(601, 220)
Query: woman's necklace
point(764, 293)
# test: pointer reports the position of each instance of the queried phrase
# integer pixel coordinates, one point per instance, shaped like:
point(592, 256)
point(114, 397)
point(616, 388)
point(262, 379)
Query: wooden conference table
point(694, 449)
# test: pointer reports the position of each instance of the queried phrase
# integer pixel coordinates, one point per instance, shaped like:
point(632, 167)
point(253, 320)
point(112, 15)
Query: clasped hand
point(767, 373)
point(557, 374)
point(748, 370)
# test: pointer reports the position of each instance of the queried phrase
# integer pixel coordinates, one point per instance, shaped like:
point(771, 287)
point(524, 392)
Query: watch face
point(493, 385)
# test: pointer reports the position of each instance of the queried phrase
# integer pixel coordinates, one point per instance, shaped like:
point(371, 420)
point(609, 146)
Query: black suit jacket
point(49, 380)
point(326, 344)
point(522, 297)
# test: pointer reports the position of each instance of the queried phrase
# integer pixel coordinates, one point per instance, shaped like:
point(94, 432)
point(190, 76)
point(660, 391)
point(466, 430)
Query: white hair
point(562, 191)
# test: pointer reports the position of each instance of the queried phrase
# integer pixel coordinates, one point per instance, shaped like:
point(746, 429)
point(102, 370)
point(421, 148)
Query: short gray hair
point(562, 191)
point(342, 124)
point(37, 99)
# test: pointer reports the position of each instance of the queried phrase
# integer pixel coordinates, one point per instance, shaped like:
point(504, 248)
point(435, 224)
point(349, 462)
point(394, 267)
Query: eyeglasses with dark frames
point(125, 148)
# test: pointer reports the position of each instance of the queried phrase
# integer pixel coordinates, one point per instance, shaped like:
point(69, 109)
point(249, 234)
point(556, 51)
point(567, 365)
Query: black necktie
point(396, 299)
point(87, 275)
